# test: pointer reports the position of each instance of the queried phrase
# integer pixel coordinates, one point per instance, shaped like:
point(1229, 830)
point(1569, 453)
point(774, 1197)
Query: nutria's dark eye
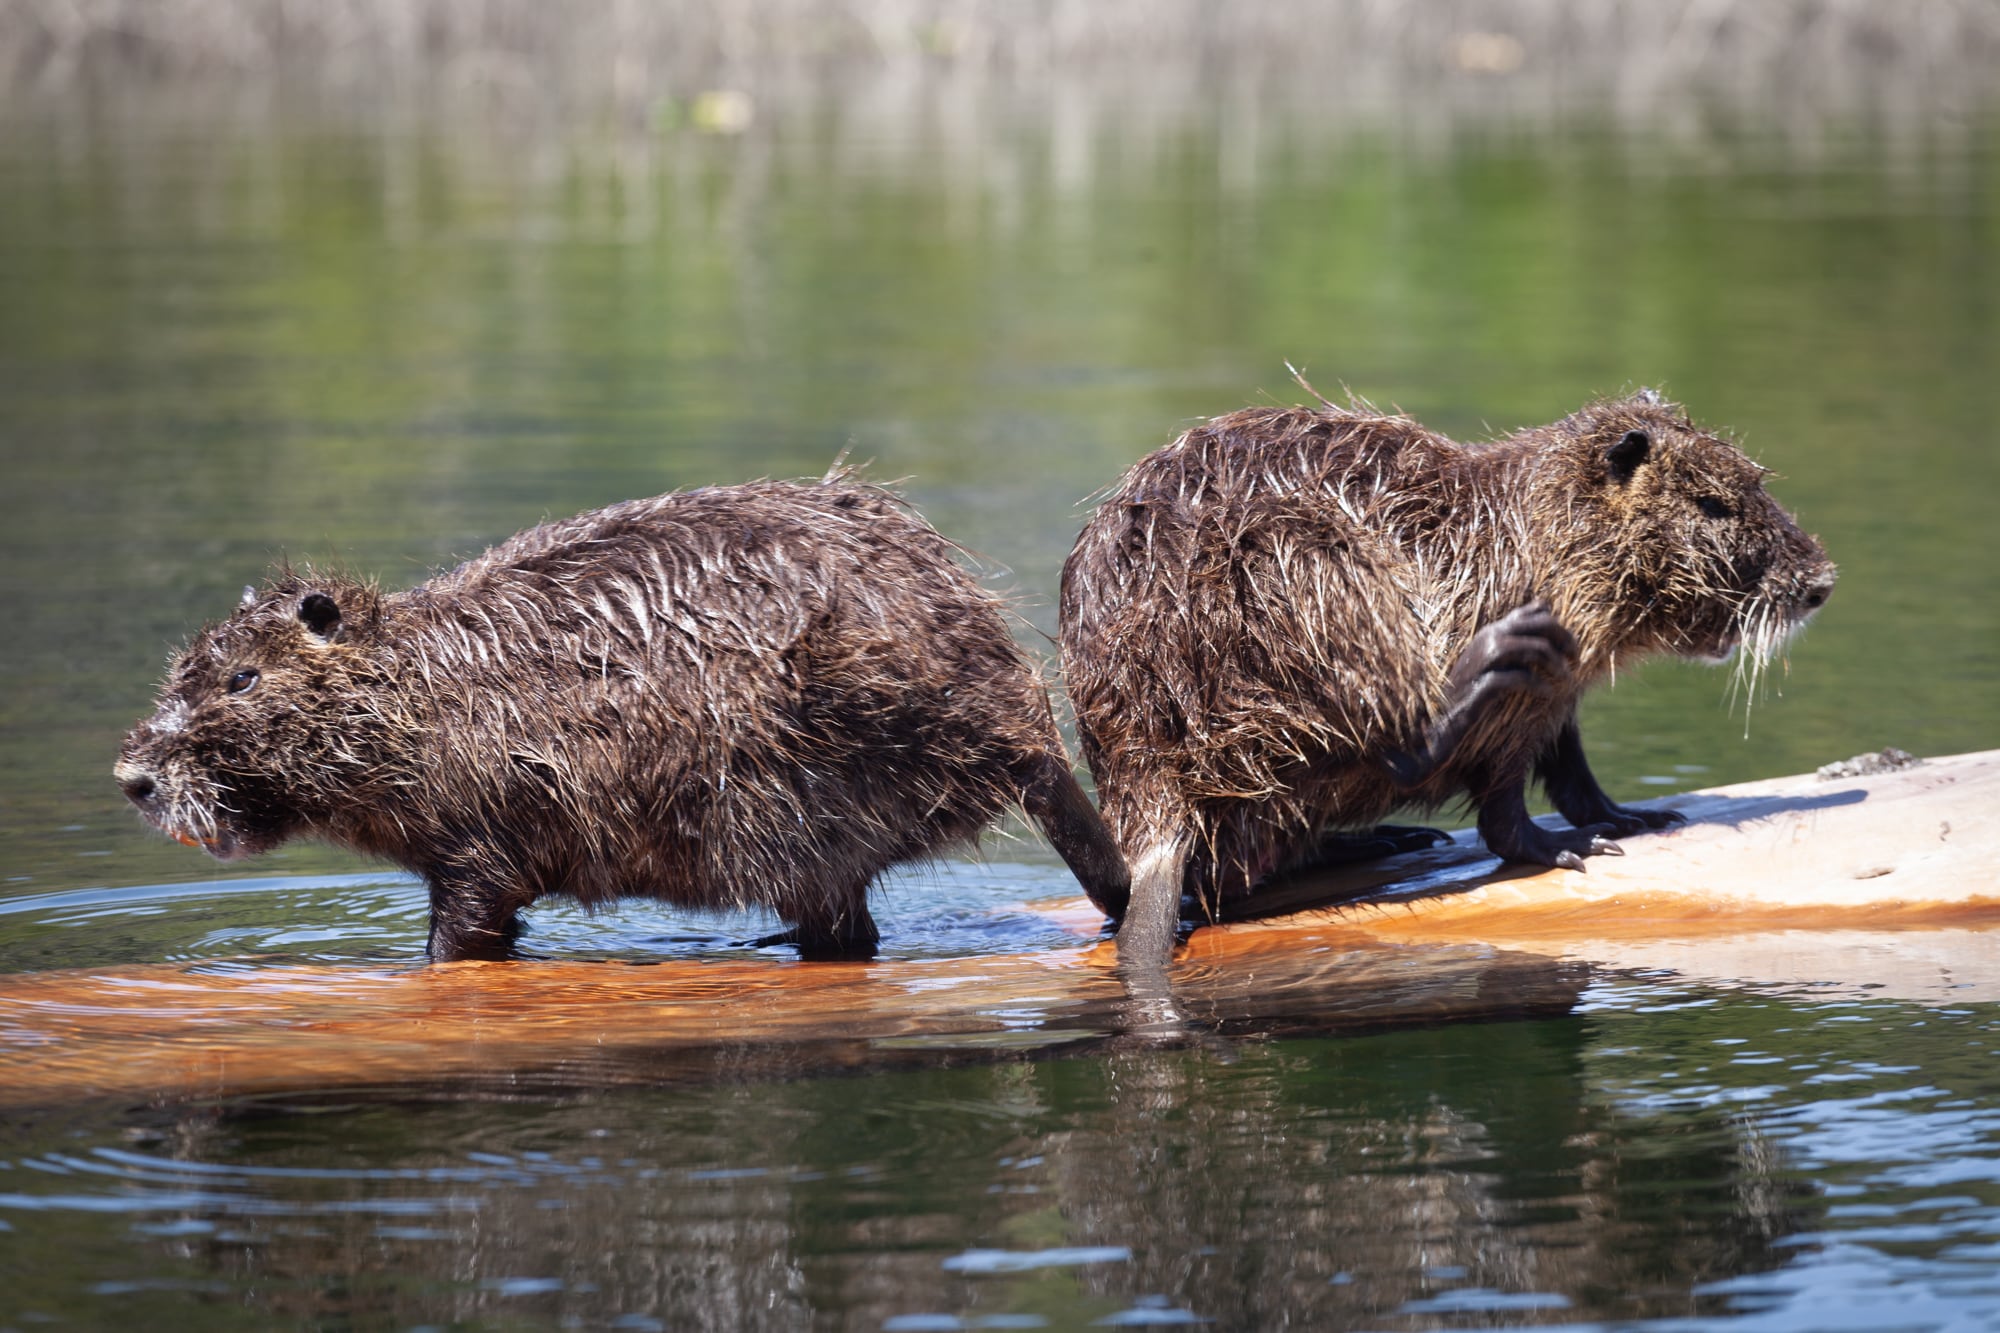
point(243, 680)
point(1714, 506)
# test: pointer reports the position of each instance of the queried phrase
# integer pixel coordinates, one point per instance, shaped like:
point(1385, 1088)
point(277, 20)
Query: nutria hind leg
point(1525, 651)
point(844, 934)
point(1512, 836)
point(1565, 774)
point(466, 925)
point(1054, 800)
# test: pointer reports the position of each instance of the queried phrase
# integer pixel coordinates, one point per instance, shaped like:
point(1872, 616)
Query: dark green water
point(225, 340)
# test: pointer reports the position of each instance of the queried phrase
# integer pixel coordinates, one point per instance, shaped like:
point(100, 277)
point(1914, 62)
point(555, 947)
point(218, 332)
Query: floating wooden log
point(1890, 882)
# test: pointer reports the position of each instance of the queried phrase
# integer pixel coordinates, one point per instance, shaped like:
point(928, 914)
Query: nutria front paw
point(1563, 848)
point(1526, 649)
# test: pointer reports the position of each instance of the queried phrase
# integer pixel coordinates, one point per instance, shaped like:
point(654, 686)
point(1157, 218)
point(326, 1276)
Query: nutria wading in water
point(1289, 622)
point(745, 694)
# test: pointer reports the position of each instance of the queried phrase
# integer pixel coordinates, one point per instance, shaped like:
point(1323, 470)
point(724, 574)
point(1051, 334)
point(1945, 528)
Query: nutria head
point(1659, 537)
point(261, 719)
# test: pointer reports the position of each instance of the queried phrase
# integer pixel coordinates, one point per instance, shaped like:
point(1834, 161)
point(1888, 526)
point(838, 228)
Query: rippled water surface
point(229, 338)
point(1660, 1156)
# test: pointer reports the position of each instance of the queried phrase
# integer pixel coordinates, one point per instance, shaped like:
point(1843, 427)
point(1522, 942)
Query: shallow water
point(1659, 1158)
point(953, 910)
point(226, 338)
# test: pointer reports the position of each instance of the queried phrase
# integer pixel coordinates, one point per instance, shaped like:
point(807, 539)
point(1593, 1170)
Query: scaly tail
point(1146, 942)
point(1152, 922)
point(1052, 798)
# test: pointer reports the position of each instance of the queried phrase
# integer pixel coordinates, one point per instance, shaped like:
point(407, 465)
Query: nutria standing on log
point(745, 694)
point(1290, 622)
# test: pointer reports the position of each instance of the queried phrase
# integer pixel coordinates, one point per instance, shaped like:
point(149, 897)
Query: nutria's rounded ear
point(249, 597)
point(1650, 397)
point(320, 614)
point(1626, 455)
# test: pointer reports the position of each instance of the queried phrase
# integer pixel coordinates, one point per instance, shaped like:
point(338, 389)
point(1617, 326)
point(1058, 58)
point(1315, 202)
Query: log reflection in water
point(173, 1031)
point(1324, 1183)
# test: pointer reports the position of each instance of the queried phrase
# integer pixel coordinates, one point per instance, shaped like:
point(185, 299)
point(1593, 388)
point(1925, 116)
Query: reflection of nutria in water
point(1291, 621)
point(744, 694)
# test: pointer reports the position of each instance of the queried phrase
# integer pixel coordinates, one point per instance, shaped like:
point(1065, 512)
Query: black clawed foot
point(1565, 850)
point(1571, 785)
point(1520, 839)
point(1570, 857)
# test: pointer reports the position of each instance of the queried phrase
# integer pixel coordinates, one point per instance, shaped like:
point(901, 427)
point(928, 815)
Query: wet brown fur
point(758, 694)
point(1261, 615)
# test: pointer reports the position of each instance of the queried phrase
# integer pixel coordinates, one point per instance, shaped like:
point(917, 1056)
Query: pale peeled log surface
point(1888, 883)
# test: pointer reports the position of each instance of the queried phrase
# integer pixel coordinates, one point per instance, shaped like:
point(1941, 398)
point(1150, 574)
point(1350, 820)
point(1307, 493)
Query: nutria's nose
point(136, 783)
point(1819, 590)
